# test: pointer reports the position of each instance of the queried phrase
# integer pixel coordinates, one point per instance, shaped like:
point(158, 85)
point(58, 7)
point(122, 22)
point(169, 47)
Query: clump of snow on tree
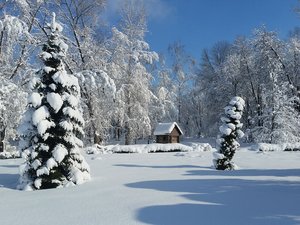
point(55, 101)
point(230, 131)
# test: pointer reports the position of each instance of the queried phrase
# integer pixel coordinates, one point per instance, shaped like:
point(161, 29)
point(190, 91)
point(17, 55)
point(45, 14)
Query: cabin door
point(175, 139)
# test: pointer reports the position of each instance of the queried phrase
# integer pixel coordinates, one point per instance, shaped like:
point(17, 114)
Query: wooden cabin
point(167, 133)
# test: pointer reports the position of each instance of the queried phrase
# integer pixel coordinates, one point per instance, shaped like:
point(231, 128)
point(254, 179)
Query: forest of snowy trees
point(127, 88)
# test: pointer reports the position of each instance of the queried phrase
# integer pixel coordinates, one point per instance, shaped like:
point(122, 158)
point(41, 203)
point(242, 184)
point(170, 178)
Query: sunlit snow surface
point(163, 189)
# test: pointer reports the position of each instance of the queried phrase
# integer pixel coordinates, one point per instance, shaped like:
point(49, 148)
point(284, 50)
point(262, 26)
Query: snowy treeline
point(126, 88)
point(264, 70)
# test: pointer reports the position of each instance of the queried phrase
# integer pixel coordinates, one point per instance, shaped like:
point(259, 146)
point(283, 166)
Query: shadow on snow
point(10, 166)
point(9, 181)
point(226, 198)
point(157, 167)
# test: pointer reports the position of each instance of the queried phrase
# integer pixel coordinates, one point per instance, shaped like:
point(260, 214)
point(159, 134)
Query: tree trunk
point(128, 135)
point(117, 133)
point(97, 138)
point(2, 136)
point(259, 107)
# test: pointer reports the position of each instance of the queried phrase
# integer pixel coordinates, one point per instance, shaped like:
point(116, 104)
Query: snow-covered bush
point(292, 146)
point(151, 148)
point(147, 148)
point(10, 155)
point(97, 149)
point(52, 124)
point(230, 131)
point(201, 147)
point(266, 147)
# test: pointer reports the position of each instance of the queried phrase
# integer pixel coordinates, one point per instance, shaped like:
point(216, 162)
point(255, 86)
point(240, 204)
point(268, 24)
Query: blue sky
point(199, 24)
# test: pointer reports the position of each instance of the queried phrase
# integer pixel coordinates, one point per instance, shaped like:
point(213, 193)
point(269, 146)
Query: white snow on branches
point(35, 81)
point(48, 69)
point(55, 26)
point(75, 114)
point(73, 139)
point(240, 133)
point(39, 115)
point(37, 183)
point(44, 125)
point(59, 152)
point(72, 100)
point(218, 155)
point(66, 125)
point(65, 79)
point(35, 99)
point(238, 102)
point(51, 163)
point(43, 170)
point(225, 130)
point(36, 163)
point(45, 56)
point(52, 86)
point(44, 147)
point(55, 101)
point(13, 26)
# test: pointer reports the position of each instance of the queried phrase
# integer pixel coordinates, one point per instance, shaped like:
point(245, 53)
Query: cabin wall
point(167, 139)
point(162, 139)
point(174, 139)
point(175, 132)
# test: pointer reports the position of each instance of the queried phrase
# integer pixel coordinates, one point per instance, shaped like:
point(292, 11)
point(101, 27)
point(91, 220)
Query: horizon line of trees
point(126, 88)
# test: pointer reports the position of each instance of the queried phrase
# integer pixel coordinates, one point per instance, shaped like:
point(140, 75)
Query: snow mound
point(10, 155)
point(292, 146)
point(147, 148)
point(266, 147)
point(200, 147)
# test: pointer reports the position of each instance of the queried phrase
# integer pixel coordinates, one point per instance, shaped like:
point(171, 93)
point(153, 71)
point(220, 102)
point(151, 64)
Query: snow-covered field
point(178, 188)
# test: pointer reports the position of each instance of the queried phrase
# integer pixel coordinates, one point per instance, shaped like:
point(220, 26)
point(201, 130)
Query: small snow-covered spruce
point(52, 125)
point(230, 131)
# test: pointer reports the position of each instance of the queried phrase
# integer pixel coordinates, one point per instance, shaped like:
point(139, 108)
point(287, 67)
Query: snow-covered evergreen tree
point(230, 131)
point(52, 124)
